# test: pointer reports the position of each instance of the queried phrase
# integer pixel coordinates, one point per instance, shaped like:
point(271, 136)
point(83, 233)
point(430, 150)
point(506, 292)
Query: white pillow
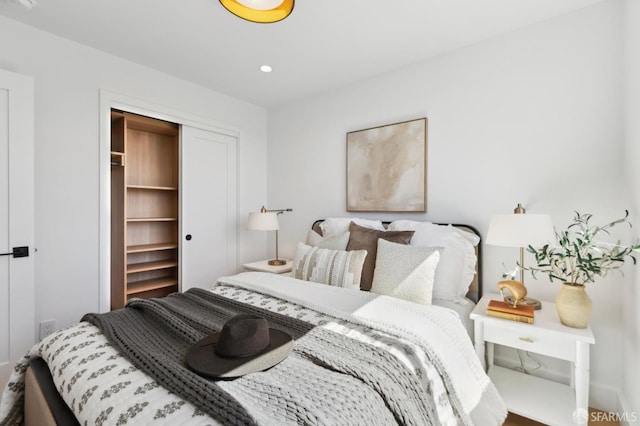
point(337, 225)
point(405, 272)
point(334, 242)
point(456, 269)
point(333, 267)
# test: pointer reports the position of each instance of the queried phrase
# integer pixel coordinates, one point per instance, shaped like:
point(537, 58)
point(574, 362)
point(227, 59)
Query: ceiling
point(322, 45)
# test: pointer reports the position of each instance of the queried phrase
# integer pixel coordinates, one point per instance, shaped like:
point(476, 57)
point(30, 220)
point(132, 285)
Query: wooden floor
point(515, 420)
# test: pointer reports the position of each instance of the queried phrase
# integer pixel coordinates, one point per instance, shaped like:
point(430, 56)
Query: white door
point(17, 296)
point(208, 214)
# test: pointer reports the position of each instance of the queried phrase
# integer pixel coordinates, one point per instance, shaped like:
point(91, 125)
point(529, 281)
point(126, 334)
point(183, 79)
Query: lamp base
point(277, 262)
point(527, 301)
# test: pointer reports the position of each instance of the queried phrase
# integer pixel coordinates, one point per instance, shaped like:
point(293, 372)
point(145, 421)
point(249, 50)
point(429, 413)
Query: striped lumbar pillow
point(338, 268)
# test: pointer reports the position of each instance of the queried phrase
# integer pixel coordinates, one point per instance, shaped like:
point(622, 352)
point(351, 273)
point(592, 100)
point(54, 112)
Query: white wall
point(631, 292)
point(68, 77)
point(532, 116)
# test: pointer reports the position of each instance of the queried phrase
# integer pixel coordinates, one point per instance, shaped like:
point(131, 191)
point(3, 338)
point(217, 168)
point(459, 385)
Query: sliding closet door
point(17, 296)
point(208, 207)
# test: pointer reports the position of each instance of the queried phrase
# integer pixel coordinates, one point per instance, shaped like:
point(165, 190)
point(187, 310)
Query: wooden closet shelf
point(152, 219)
point(153, 188)
point(151, 247)
point(151, 266)
point(150, 125)
point(148, 285)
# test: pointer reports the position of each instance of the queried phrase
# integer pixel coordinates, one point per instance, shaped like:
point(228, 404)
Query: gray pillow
point(405, 271)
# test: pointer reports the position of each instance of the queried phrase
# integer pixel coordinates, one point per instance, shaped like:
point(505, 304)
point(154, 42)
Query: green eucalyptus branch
point(580, 256)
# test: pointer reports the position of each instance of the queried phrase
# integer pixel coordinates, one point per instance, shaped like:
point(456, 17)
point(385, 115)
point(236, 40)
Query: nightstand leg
point(581, 372)
point(490, 347)
point(478, 338)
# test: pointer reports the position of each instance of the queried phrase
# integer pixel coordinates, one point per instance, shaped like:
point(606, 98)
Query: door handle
point(22, 251)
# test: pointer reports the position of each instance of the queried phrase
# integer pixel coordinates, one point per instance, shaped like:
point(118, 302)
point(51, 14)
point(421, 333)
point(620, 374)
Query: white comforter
point(102, 387)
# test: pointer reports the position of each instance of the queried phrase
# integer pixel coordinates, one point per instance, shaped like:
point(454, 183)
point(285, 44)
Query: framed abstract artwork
point(387, 168)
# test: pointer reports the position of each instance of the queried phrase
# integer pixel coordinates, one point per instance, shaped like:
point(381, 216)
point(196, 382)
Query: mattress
point(462, 308)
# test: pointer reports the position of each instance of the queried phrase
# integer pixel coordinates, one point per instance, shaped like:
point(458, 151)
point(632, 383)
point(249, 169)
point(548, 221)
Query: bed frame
point(45, 407)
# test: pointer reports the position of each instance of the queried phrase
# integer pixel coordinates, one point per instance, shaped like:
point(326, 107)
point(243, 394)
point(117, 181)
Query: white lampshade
point(520, 230)
point(260, 221)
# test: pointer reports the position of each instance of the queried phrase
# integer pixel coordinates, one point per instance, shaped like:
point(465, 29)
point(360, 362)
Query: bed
point(358, 358)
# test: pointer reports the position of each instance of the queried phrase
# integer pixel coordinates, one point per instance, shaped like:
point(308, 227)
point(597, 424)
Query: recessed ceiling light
point(266, 68)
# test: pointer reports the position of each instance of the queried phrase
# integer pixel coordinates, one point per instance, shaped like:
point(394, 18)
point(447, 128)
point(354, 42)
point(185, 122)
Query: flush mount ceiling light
point(261, 11)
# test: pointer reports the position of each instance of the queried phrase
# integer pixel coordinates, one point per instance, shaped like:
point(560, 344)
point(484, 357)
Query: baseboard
point(623, 408)
point(628, 417)
point(601, 397)
point(604, 398)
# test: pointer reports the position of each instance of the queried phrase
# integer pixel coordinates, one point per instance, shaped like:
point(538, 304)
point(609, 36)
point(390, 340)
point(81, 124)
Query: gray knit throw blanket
point(328, 379)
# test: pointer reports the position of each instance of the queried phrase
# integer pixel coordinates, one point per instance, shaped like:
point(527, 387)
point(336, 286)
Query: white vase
point(574, 306)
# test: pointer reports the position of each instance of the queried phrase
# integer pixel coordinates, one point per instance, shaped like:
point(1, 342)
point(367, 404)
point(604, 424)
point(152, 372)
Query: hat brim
point(202, 358)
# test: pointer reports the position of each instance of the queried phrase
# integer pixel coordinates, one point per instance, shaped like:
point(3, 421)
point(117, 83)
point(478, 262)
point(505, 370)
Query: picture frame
point(387, 168)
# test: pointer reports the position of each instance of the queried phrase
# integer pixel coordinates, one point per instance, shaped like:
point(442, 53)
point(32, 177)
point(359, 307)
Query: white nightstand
point(543, 400)
point(263, 266)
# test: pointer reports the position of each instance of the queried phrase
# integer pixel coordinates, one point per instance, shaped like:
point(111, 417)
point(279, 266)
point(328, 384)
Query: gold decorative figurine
point(517, 290)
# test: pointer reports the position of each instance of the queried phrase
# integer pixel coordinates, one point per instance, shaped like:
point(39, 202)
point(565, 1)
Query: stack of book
point(500, 309)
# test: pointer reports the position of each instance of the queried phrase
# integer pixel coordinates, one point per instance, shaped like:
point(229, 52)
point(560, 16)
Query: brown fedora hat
point(245, 345)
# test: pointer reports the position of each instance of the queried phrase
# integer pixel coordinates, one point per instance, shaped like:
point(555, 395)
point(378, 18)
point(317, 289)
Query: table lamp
point(267, 220)
point(521, 230)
